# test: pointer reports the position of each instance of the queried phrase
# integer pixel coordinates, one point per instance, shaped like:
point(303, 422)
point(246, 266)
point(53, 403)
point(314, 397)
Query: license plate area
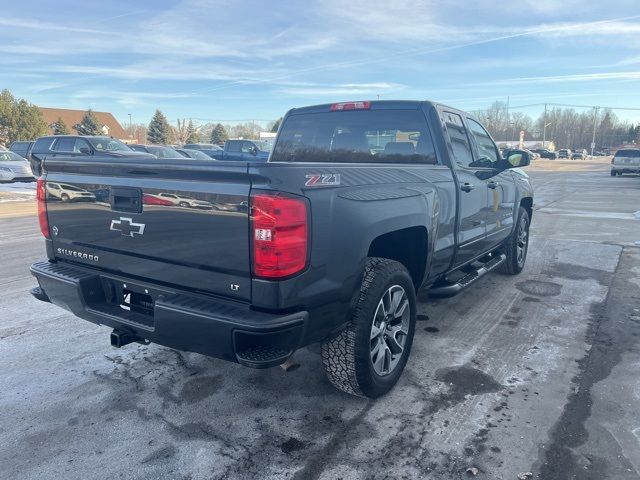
point(130, 303)
point(137, 302)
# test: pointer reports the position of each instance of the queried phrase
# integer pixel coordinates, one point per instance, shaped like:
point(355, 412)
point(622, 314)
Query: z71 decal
point(323, 180)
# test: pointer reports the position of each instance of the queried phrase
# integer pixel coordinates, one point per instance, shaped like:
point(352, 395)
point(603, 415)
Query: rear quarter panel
point(370, 200)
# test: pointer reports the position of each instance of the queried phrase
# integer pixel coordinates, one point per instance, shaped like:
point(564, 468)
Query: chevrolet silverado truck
point(360, 205)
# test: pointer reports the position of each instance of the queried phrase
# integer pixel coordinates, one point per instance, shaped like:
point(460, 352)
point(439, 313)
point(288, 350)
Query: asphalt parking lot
point(530, 374)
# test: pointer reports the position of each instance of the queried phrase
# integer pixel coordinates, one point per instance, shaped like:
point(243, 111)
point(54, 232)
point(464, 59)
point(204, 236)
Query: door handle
point(493, 184)
point(467, 187)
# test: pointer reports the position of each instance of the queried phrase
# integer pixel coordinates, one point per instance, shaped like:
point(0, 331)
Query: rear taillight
point(41, 195)
point(279, 229)
point(339, 107)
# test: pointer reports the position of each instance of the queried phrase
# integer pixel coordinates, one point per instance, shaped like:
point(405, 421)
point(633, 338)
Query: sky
point(212, 60)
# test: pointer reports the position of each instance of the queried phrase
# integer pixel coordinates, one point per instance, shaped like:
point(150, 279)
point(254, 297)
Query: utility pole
point(544, 127)
point(595, 120)
point(130, 129)
point(508, 122)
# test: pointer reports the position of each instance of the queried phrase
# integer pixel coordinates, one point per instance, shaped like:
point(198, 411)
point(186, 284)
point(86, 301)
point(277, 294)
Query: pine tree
point(276, 125)
point(192, 134)
point(19, 119)
point(89, 124)
point(219, 134)
point(59, 127)
point(159, 129)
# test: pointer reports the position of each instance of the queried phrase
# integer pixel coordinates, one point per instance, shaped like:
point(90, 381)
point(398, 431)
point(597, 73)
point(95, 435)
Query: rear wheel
point(369, 355)
point(517, 245)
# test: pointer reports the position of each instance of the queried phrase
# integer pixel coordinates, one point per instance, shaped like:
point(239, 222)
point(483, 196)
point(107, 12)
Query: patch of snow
point(17, 192)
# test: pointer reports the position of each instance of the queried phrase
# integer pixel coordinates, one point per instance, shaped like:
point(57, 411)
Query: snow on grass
point(17, 192)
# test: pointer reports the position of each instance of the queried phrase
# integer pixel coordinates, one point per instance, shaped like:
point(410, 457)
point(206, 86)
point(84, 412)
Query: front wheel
point(369, 355)
point(613, 173)
point(517, 245)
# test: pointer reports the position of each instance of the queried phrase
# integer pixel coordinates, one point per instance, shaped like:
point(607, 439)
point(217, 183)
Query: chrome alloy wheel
point(522, 241)
point(389, 330)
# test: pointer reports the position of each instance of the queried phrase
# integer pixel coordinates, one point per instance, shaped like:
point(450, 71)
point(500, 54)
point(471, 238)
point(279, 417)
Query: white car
point(14, 168)
point(69, 193)
point(185, 201)
point(626, 160)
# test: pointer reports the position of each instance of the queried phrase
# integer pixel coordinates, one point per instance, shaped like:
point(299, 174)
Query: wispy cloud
point(49, 26)
point(192, 53)
point(342, 89)
point(583, 77)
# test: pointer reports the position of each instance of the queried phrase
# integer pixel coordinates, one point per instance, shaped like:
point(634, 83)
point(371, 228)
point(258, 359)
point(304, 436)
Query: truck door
point(502, 191)
point(248, 149)
point(472, 194)
point(233, 150)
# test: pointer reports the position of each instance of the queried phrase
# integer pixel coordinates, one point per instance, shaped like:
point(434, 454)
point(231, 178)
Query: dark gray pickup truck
point(359, 206)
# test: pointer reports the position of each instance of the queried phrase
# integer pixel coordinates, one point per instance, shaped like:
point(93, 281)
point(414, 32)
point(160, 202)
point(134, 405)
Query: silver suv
point(626, 160)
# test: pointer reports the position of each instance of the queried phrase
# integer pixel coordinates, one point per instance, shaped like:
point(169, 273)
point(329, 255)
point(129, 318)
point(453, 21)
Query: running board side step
point(452, 289)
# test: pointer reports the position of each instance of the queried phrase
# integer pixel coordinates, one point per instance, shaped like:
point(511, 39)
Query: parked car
point(76, 146)
point(14, 168)
point(247, 150)
point(150, 199)
point(195, 154)
point(185, 201)
point(69, 193)
point(159, 151)
point(564, 153)
point(544, 153)
point(337, 238)
point(626, 160)
point(579, 154)
point(21, 148)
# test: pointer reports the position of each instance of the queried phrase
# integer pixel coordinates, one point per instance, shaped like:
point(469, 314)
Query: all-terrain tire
point(347, 358)
point(514, 263)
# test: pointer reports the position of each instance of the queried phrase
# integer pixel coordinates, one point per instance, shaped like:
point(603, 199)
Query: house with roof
point(107, 122)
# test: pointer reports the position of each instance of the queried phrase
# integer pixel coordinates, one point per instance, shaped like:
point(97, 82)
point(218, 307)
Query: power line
point(575, 106)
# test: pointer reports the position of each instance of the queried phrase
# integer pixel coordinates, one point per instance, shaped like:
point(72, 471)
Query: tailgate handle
point(126, 199)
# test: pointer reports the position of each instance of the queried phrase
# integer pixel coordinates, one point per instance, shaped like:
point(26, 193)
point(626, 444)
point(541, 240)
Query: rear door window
point(234, 146)
point(359, 136)
point(458, 139)
point(64, 144)
point(628, 153)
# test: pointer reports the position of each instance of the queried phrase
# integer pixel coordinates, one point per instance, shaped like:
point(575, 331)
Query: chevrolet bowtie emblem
point(127, 227)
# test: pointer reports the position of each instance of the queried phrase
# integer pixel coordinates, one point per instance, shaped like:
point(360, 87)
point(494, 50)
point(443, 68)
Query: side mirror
point(85, 150)
point(517, 159)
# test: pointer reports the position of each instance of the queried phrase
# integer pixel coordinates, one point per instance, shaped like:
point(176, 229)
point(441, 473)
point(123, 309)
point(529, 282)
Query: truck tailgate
point(184, 224)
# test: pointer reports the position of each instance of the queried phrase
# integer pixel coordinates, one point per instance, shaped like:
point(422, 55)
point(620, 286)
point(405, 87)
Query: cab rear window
point(628, 153)
point(358, 136)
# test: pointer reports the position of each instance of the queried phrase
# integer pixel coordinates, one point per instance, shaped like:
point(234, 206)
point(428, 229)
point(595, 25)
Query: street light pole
point(593, 138)
point(544, 127)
